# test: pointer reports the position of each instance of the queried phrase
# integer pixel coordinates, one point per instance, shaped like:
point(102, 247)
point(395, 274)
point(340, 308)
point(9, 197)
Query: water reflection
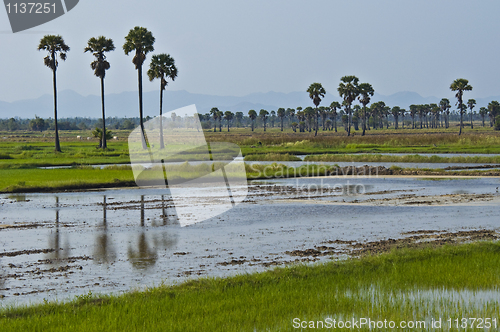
point(18, 197)
point(145, 256)
point(103, 249)
point(55, 239)
point(169, 214)
point(2, 281)
point(151, 235)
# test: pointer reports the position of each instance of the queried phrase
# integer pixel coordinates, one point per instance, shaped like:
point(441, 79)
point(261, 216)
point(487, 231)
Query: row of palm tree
point(141, 41)
point(375, 116)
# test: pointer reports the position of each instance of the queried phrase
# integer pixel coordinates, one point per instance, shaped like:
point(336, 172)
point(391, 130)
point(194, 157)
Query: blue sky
point(233, 47)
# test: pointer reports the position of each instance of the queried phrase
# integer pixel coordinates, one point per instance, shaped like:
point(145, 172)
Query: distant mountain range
point(125, 104)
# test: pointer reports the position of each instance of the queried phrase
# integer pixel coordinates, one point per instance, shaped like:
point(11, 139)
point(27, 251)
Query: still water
point(58, 245)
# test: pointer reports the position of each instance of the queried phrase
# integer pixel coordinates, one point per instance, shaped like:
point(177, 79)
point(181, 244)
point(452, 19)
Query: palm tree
point(494, 110)
point(483, 111)
point(98, 46)
point(316, 92)
point(309, 115)
point(460, 85)
point(141, 40)
point(444, 104)
point(334, 106)
point(162, 66)
point(365, 92)
point(263, 115)
point(349, 90)
point(220, 115)
point(413, 112)
point(395, 113)
point(228, 116)
point(471, 103)
point(55, 46)
point(281, 115)
point(215, 114)
point(402, 112)
point(252, 115)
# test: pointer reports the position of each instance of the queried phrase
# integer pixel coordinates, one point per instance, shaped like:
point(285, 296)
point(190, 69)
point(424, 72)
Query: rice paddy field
point(453, 283)
point(404, 288)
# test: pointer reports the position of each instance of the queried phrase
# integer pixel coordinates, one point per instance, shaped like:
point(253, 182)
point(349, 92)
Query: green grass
point(271, 157)
point(28, 149)
point(379, 287)
point(33, 180)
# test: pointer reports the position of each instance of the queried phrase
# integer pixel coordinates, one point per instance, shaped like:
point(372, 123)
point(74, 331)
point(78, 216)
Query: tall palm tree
point(402, 112)
point(471, 103)
point(162, 66)
point(281, 115)
point(349, 90)
point(316, 92)
point(141, 41)
point(483, 111)
point(365, 92)
point(444, 104)
point(220, 115)
point(252, 115)
point(228, 116)
point(460, 85)
point(334, 106)
point(290, 113)
point(413, 112)
point(263, 114)
point(56, 47)
point(98, 46)
point(395, 111)
point(494, 110)
point(215, 114)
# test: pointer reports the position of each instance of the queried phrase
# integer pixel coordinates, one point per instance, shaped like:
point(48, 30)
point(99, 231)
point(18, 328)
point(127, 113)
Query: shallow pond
point(58, 245)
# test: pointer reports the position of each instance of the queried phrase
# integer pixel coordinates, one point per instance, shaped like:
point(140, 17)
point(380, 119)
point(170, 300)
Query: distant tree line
point(78, 123)
point(377, 116)
point(332, 118)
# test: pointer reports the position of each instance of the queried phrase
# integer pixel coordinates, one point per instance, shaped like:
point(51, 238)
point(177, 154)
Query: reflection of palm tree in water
point(103, 251)
point(2, 281)
point(169, 214)
point(55, 239)
point(146, 255)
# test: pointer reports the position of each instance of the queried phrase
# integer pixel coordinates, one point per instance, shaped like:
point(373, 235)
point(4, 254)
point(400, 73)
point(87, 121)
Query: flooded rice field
point(58, 245)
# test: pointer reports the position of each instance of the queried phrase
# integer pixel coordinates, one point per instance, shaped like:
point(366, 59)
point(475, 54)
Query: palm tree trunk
point(162, 144)
point(57, 146)
point(104, 146)
point(461, 116)
point(349, 120)
point(317, 124)
point(471, 124)
point(143, 134)
point(364, 120)
point(281, 123)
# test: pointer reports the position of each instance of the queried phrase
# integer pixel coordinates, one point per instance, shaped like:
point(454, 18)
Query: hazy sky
point(234, 47)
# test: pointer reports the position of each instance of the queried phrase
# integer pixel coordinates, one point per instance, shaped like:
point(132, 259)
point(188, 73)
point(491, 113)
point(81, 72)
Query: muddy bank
point(421, 239)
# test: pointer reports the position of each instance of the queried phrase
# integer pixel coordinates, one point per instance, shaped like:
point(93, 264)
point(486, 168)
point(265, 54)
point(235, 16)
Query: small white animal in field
point(88, 138)
point(78, 137)
point(115, 137)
